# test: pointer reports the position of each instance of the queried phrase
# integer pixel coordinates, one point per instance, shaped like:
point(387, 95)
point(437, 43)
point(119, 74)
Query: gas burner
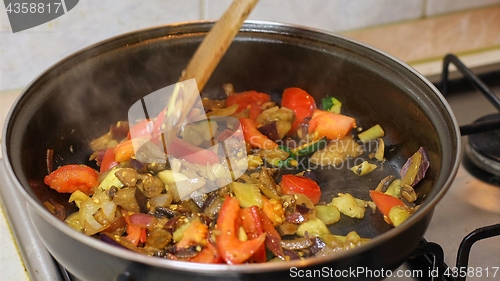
point(483, 149)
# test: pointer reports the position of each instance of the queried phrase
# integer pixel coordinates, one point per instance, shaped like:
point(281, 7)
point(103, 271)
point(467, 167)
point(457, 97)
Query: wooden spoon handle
point(216, 43)
point(203, 63)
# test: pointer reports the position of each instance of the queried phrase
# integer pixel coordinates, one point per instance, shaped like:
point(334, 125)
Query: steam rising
point(193, 171)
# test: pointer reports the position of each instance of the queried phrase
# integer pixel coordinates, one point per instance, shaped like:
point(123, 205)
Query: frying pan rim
point(218, 268)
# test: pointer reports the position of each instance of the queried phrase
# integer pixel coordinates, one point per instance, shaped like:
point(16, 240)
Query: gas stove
point(462, 241)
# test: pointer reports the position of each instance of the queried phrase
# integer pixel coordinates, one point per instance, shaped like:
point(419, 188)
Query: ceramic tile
point(469, 31)
point(26, 54)
point(436, 7)
point(4, 20)
point(334, 15)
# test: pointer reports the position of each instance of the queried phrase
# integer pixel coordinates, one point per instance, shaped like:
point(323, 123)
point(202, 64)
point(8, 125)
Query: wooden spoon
point(204, 61)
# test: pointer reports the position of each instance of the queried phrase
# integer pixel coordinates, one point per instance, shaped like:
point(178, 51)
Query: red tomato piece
point(209, 254)
point(331, 125)
point(252, 100)
point(252, 224)
point(196, 233)
point(124, 151)
point(70, 178)
point(157, 127)
point(302, 104)
point(253, 136)
point(231, 249)
point(135, 233)
point(385, 202)
point(182, 149)
point(108, 160)
point(291, 184)
point(143, 128)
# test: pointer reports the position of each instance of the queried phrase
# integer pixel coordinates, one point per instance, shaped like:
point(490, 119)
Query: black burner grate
point(429, 255)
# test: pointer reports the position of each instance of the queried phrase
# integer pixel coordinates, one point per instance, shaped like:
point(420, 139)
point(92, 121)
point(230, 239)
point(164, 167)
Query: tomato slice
point(302, 104)
point(108, 160)
point(196, 233)
point(331, 125)
point(251, 223)
point(253, 136)
point(250, 99)
point(209, 254)
point(292, 184)
point(231, 249)
point(385, 202)
point(70, 178)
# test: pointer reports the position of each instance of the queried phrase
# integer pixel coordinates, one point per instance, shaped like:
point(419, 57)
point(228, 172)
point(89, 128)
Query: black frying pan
point(78, 98)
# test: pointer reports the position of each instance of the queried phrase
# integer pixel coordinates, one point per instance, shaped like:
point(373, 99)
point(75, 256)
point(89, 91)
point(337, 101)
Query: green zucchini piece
point(373, 133)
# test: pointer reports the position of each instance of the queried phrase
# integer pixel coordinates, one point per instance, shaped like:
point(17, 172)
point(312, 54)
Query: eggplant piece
point(163, 200)
point(385, 183)
point(188, 207)
point(142, 201)
point(131, 199)
point(159, 238)
point(212, 210)
point(184, 253)
point(273, 243)
point(291, 254)
point(311, 175)
point(117, 226)
point(117, 241)
point(297, 243)
point(268, 185)
point(287, 228)
point(281, 117)
point(295, 218)
point(108, 238)
point(320, 248)
point(210, 198)
point(303, 209)
point(127, 176)
point(270, 130)
point(172, 223)
point(413, 171)
point(166, 212)
point(152, 186)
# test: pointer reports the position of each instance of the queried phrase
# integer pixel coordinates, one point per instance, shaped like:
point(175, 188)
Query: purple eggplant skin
point(422, 169)
point(311, 175)
point(106, 237)
point(270, 130)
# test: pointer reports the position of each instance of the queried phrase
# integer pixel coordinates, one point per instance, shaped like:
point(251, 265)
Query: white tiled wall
point(331, 15)
point(25, 54)
point(437, 7)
